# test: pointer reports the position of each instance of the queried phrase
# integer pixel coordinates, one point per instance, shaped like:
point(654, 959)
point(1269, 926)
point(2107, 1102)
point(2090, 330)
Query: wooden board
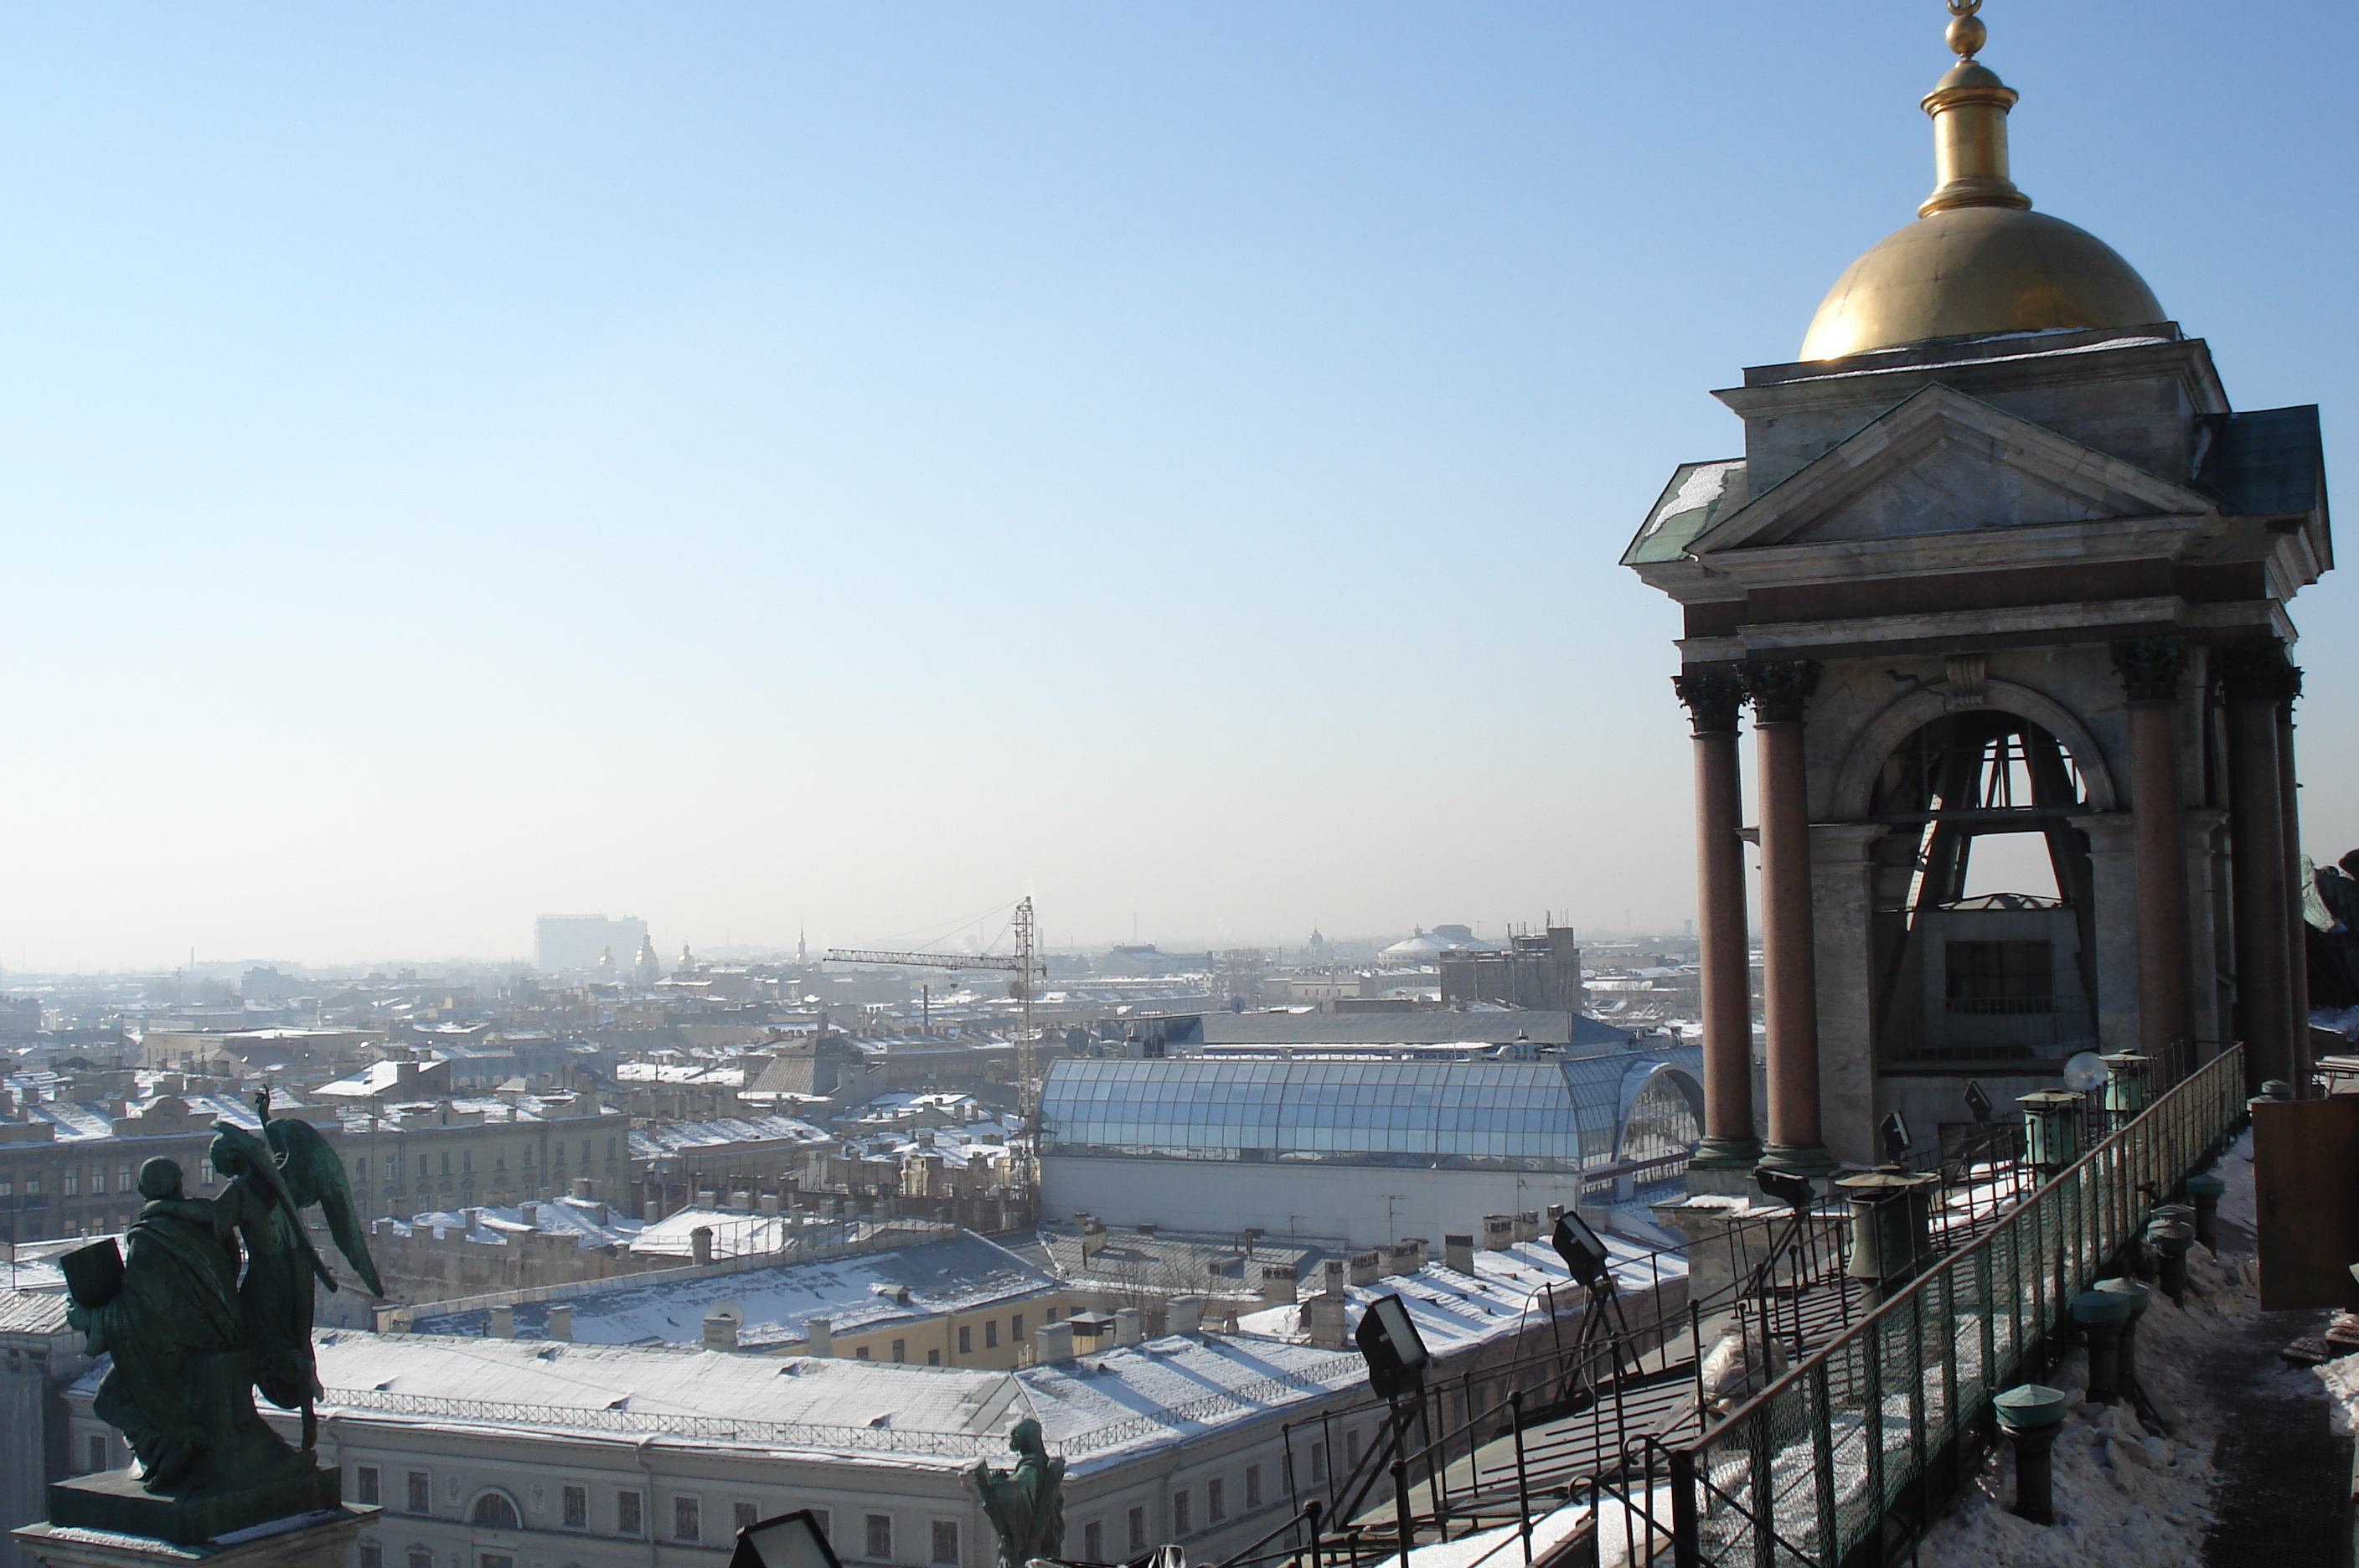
point(2306, 1198)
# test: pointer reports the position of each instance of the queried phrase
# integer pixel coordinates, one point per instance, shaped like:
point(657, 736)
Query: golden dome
point(1977, 269)
point(1977, 259)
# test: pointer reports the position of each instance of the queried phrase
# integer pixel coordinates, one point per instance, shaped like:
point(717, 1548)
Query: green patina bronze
point(211, 1301)
point(1026, 1504)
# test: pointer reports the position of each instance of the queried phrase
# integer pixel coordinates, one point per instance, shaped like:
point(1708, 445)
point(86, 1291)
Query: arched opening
point(1663, 1120)
point(1984, 919)
point(494, 1510)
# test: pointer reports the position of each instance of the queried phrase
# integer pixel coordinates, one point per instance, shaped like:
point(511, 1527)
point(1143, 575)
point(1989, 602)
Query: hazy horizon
point(749, 466)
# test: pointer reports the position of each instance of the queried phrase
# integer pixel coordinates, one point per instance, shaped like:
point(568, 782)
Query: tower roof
point(1977, 260)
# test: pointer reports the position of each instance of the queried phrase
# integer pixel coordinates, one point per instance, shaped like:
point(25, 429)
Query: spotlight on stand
point(1584, 1254)
point(789, 1540)
point(1895, 1139)
point(1792, 1189)
point(1390, 1344)
point(1978, 1101)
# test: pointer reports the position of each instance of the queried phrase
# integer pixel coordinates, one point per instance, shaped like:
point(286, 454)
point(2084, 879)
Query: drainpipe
point(647, 1513)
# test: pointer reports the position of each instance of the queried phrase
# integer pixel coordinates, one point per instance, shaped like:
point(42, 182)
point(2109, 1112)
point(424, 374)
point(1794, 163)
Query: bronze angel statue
point(213, 1301)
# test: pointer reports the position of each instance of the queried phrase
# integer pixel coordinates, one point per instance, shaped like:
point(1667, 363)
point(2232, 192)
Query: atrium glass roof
point(1551, 1114)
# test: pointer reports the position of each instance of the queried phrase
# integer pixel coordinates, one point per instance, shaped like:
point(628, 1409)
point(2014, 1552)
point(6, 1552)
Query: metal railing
point(1847, 1456)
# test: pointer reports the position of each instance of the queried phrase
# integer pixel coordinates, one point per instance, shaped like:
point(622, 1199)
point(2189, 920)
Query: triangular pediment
point(1942, 462)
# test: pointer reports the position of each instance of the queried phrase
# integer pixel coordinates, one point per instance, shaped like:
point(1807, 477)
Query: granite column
point(1779, 692)
point(2253, 676)
point(1724, 945)
point(2149, 669)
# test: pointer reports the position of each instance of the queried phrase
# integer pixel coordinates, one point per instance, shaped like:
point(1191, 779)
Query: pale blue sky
point(736, 465)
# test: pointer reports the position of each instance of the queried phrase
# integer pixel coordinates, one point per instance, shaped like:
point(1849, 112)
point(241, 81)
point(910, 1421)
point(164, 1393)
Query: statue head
point(227, 1157)
point(159, 1179)
point(1028, 1440)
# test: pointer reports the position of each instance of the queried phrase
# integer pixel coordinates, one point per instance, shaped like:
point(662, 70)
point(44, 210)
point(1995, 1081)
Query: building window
point(494, 1560)
point(933, 1358)
point(991, 1333)
point(1216, 1501)
point(1049, 1316)
point(73, 1183)
point(33, 1181)
point(747, 1516)
point(493, 1511)
point(626, 1514)
point(422, 1493)
point(392, 1168)
point(1093, 1540)
point(98, 1454)
point(1253, 1488)
point(365, 1486)
point(1999, 978)
point(421, 1557)
point(7, 1186)
point(576, 1507)
point(966, 1340)
point(466, 1159)
point(900, 1350)
point(686, 1520)
point(1180, 1522)
point(1138, 1530)
point(97, 1180)
point(880, 1537)
point(122, 1179)
point(946, 1541)
point(861, 1353)
point(422, 1172)
point(371, 1554)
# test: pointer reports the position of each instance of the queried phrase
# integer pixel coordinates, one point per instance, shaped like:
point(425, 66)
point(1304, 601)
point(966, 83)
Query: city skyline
point(739, 465)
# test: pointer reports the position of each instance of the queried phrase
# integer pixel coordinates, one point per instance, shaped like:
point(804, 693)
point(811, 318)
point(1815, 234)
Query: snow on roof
point(33, 1311)
point(376, 1078)
point(495, 1226)
point(1453, 1310)
point(650, 1141)
point(924, 1415)
point(1097, 1408)
point(678, 1073)
point(854, 1294)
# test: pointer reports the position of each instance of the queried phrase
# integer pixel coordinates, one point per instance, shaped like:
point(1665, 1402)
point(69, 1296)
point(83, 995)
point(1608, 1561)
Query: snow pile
point(2126, 1494)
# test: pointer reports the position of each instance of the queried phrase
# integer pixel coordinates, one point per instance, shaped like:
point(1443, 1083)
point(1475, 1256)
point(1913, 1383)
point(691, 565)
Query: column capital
point(1713, 699)
point(2258, 671)
point(1779, 689)
point(2150, 666)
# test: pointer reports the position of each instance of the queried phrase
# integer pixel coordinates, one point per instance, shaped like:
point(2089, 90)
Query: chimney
point(1051, 1343)
point(700, 1244)
point(652, 1212)
point(1528, 1225)
point(561, 1322)
point(742, 1202)
point(1457, 1253)
point(721, 1329)
point(1555, 1213)
point(1126, 1326)
point(1332, 1279)
point(1498, 1232)
point(530, 1213)
point(819, 1337)
point(769, 1203)
point(1276, 1285)
point(1182, 1314)
point(707, 1199)
point(584, 1188)
point(1324, 1318)
point(1367, 1267)
point(502, 1322)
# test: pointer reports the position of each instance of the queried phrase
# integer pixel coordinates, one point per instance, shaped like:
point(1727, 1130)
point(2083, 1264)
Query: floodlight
point(2084, 1071)
point(1895, 1138)
point(789, 1540)
point(1584, 1254)
point(1390, 1344)
point(1978, 1101)
point(1786, 1189)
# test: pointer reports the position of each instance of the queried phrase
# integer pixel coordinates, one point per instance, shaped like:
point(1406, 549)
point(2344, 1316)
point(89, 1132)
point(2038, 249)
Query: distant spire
point(1969, 107)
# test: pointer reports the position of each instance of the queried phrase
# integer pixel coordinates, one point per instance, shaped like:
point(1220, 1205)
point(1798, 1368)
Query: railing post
point(1687, 1529)
point(1523, 1484)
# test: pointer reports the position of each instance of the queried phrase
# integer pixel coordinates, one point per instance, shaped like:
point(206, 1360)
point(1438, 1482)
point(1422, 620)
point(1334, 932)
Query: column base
point(1798, 1159)
point(1726, 1154)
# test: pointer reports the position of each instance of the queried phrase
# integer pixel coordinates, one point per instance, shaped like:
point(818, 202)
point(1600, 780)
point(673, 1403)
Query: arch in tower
point(1863, 764)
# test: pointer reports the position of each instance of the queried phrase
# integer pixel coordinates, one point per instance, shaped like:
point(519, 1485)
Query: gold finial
point(1968, 107)
point(1966, 34)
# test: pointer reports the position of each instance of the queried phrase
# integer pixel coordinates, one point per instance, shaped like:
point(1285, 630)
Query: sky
point(775, 467)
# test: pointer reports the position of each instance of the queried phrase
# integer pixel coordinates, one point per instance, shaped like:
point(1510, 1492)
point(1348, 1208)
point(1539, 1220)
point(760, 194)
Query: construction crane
point(1024, 962)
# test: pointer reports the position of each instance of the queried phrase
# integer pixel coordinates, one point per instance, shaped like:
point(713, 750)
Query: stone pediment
point(1942, 462)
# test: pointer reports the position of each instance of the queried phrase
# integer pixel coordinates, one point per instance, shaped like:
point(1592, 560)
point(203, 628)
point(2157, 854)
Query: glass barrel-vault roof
point(1547, 1114)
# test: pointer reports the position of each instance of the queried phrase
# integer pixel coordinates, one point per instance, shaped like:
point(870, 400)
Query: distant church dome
point(1976, 261)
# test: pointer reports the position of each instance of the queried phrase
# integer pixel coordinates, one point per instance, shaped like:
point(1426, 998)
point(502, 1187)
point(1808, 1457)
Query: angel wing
point(312, 1172)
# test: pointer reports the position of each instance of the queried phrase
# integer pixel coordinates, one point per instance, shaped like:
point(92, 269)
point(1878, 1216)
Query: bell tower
point(2001, 574)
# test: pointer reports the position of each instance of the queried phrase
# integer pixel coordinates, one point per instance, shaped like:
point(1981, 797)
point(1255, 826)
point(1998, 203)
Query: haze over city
point(765, 468)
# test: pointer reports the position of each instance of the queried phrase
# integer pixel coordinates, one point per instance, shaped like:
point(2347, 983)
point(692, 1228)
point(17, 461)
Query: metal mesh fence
point(1844, 1458)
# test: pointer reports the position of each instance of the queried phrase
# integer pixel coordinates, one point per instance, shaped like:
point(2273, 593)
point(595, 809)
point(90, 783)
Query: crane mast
point(1026, 966)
